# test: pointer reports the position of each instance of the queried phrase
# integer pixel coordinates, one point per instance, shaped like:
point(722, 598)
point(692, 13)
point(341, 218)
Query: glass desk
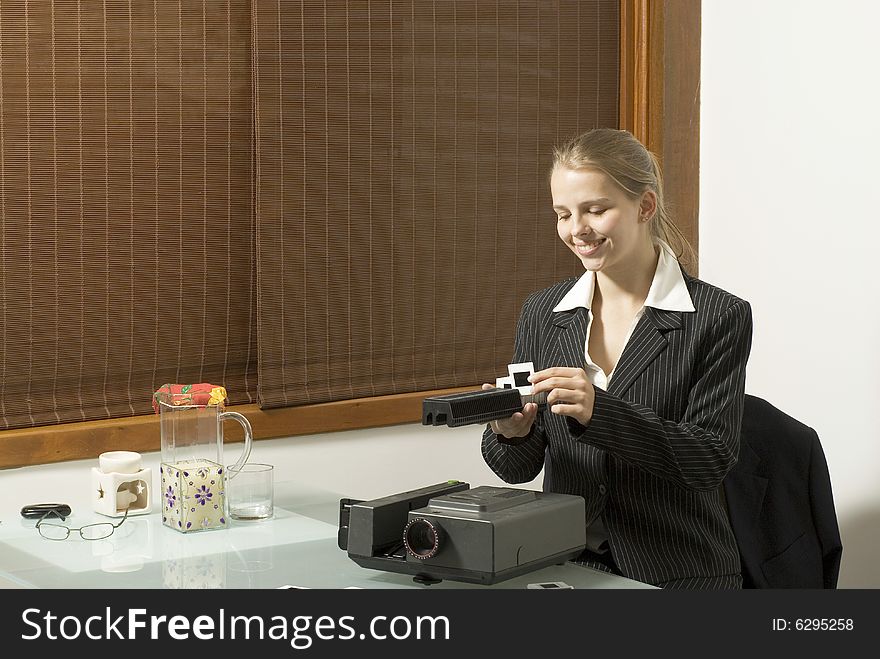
point(295, 548)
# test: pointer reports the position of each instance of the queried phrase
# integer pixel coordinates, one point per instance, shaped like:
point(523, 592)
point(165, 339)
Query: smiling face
point(598, 221)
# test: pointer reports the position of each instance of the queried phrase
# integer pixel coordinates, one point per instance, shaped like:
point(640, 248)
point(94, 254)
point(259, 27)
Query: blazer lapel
point(569, 335)
point(567, 342)
point(648, 340)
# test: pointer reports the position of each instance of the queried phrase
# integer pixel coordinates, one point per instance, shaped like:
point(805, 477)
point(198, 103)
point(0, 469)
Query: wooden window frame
point(659, 104)
point(660, 95)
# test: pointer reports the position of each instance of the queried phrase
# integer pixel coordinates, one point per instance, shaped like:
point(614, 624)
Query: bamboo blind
point(305, 201)
point(126, 199)
point(403, 212)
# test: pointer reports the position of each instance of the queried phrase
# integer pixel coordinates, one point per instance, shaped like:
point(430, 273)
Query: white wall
point(365, 464)
point(360, 464)
point(789, 220)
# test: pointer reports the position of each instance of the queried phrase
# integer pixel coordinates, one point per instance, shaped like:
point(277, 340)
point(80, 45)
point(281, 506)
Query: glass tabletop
point(296, 548)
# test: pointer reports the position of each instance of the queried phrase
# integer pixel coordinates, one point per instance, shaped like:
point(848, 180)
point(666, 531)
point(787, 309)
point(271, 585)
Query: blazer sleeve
point(519, 459)
point(697, 451)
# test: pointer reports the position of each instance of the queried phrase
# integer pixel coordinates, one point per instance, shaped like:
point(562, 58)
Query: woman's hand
point(518, 425)
point(570, 392)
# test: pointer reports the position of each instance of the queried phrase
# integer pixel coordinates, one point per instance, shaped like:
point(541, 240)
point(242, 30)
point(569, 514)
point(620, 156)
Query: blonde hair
point(626, 161)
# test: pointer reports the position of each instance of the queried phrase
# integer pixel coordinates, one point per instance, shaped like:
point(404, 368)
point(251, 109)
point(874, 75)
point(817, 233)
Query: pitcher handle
point(248, 440)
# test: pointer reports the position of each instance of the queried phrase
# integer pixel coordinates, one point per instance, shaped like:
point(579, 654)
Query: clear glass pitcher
point(191, 425)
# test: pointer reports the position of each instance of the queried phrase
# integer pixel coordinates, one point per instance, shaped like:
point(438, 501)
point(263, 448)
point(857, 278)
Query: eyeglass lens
point(54, 531)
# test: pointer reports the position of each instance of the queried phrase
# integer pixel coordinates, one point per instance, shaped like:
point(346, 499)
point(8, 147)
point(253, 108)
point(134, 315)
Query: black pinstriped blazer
point(661, 439)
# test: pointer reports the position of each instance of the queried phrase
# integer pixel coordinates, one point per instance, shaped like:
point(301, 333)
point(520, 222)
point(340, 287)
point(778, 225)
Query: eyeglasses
point(97, 531)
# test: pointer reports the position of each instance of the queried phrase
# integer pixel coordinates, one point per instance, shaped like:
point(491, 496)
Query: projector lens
point(422, 539)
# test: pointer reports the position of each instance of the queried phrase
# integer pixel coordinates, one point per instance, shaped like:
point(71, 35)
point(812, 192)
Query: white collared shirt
point(668, 291)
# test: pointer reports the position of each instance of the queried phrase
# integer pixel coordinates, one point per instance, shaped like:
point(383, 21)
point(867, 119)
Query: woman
point(644, 370)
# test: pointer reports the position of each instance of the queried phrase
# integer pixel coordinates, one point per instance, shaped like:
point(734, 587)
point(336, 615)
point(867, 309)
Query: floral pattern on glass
point(194, 496)
point(170, 497)
point(203, 495)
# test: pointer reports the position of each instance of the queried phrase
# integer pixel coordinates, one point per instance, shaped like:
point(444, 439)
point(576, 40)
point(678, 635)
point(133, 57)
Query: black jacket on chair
point(780, 503)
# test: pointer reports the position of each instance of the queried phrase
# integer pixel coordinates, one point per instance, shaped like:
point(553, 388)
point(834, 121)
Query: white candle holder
point(121, 483)
point(193, 495)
